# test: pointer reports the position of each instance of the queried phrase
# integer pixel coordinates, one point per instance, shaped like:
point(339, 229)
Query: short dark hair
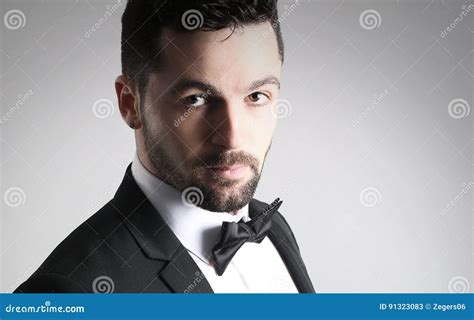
point(143, 21)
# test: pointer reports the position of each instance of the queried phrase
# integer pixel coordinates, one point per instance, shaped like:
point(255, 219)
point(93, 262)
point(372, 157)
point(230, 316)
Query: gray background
point(373, 165)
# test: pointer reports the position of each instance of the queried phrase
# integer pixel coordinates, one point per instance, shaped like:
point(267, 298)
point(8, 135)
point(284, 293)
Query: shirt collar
point(196, 228)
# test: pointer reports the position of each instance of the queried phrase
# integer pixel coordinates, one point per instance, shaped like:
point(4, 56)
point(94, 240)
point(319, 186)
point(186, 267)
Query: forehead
point(220, 57)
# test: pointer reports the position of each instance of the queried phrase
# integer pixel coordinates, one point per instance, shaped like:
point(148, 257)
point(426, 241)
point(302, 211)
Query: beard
point(199, 186)
point(220, 194)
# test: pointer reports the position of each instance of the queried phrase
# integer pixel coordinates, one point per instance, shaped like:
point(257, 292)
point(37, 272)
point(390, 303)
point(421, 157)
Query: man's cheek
point(194, 136)
point(263, 140)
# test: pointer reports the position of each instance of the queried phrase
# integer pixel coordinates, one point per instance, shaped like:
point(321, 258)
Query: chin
point(224, 203)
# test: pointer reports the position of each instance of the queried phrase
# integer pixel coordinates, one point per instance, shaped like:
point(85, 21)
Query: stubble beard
point(218, 194)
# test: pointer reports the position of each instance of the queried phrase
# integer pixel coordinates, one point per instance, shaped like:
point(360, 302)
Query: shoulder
point(85, 248)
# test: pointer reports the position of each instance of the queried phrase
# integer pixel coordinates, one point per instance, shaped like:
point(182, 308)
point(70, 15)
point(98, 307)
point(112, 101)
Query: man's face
point(207, 114)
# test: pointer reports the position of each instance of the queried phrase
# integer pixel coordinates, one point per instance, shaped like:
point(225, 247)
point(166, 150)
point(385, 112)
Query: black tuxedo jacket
point(129, 244)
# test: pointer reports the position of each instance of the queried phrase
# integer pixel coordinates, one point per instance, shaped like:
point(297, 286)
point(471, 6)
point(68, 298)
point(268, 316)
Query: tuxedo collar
point(154, 237)
point(157, 241)
point(197, 229)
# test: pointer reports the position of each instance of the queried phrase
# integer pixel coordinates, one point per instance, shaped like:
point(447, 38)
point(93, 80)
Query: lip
point(230, 172)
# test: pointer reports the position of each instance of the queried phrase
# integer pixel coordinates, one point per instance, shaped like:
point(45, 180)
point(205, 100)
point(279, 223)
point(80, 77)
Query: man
point(199, 88)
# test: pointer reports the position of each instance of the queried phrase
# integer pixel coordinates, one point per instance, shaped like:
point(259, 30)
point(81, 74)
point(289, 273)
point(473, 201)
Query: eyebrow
point(185, 84)
point(267, 80)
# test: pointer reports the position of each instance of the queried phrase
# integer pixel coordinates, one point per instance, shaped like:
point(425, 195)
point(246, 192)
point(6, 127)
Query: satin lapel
point(282, 238)
point(156, 239)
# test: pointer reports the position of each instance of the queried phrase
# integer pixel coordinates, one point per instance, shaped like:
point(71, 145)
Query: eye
point(194, 101)
point(258, 98)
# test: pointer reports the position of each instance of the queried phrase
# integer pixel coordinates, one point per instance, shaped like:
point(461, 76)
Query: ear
point(128, 101)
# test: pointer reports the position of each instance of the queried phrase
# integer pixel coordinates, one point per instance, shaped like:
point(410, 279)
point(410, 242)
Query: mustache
point(229, 159)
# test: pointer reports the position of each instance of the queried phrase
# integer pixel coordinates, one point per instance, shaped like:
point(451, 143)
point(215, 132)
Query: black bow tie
point(235, 234)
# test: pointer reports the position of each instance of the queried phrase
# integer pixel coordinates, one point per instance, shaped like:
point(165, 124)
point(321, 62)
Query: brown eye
point(258, 98)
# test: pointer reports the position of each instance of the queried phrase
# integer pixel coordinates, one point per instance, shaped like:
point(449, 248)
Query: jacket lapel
point(180, 272)
point(156, 240)
point(283, 239)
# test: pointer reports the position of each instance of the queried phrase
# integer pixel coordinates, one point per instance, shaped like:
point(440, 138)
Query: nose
point(228, 131)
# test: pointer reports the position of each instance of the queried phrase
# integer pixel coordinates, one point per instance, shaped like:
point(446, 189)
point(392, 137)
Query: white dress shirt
point(255, 268)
